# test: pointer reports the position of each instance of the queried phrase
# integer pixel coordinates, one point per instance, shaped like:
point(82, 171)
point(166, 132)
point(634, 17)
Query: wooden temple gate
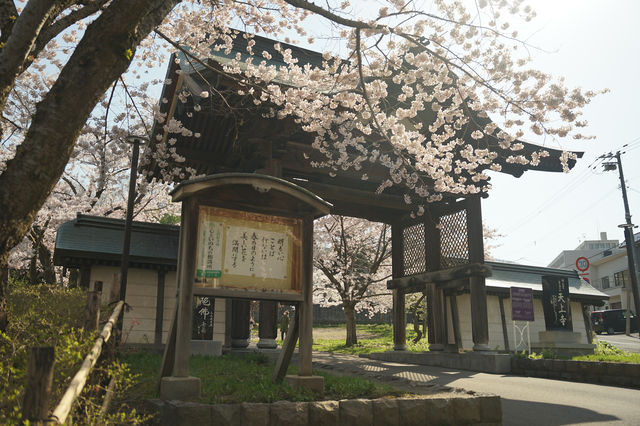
point(439, 253)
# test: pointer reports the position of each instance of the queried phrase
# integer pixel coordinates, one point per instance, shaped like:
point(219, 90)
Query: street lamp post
point(124, 266)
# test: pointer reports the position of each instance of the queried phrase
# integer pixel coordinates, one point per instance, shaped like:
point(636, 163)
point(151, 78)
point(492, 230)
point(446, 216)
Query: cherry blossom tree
point(416, 83)
point(95, 178)
point(352, 258)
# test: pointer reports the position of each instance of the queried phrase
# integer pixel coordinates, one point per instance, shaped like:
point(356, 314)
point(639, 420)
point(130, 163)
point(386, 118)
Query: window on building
point(605, 282)
point(621, 278)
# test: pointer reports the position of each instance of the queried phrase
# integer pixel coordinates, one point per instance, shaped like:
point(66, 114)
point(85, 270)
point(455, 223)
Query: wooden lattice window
point(454, 242)
point(413, 254)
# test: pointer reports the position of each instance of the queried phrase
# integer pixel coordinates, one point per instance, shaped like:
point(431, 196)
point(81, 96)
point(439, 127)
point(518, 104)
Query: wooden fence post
point(92, 312)
point(35, 406)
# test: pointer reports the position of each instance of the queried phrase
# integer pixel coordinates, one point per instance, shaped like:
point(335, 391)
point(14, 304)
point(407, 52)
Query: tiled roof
point(99, 239)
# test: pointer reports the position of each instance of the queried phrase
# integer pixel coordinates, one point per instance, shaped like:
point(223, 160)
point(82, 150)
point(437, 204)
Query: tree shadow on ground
point(517, 412)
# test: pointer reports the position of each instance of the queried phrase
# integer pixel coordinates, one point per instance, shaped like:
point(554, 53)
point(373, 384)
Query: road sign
point(582, 263)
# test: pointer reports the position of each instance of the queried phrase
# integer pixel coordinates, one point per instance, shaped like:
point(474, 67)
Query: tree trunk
point(33, 265)
point(46, 262)
point(350, 316)
point(73, 278)
point(102, 55)
point(4, 291)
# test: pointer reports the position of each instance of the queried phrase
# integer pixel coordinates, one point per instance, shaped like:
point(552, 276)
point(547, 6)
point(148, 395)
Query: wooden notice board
point(252, 254)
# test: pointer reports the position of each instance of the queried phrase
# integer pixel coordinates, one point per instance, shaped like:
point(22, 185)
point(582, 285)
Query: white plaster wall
point(496, 339)
point(170, 289)
point(140, 322)
point(607, 267)
point(218, 320)
point(142, 284)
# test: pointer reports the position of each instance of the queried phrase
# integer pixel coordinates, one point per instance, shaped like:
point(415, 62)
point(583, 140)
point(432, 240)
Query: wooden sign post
point(242, 236)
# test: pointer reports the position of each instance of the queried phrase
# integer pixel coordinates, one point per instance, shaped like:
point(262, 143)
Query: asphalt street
point(525, 400)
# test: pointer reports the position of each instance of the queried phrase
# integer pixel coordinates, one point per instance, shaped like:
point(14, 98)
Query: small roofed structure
point(93, 245)
point(88, 240)
point(235, 135)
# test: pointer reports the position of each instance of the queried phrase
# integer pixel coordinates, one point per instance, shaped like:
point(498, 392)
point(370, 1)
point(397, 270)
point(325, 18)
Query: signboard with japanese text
point(202, 318)
point(245, 250)
point(555, 303)
point(521, 304)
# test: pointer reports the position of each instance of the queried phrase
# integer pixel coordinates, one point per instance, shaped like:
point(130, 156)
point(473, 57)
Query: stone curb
point(604, 373)
point(477, 409)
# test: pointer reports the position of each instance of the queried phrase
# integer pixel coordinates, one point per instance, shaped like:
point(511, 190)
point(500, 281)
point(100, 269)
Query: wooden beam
point(399, 320)
point(35, 405)
point(306, 306)
point(157, 339)
point(455, 320)
point(92, 311)
point(288, 346)
point(503, 320)
point(397, 270)
point(442, 276)
point(338, 192)
point(479, 311)
point(186, 268)
point(435, 296)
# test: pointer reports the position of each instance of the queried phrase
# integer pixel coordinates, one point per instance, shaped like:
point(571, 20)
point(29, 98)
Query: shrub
point(48, 315)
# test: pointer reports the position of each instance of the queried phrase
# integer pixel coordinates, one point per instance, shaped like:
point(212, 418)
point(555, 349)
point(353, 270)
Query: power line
point(582, 212)
point(570, 186)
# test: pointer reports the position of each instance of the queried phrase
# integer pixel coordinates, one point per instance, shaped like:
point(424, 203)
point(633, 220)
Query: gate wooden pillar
point(479, 313)
point(397, 269)
point(432, 254)
point(240, 327)
point(435, 297)
point(268, 324)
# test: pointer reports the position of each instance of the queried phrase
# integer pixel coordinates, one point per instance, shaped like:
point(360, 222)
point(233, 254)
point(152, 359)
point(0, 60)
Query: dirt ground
point(336, 333)
point(322, 333)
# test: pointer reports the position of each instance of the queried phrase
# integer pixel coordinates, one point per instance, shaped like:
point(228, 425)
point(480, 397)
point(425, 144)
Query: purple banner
point(521, 304)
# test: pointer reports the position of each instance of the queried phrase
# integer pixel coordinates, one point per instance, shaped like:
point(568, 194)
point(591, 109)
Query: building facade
point(606, 268)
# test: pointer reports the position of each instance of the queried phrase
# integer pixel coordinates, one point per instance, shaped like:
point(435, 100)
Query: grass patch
point(371, 338)
point(235, 379)
point(606, 352)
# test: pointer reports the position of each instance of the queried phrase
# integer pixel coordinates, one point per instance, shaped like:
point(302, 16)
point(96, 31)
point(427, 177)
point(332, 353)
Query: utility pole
point(628, 234)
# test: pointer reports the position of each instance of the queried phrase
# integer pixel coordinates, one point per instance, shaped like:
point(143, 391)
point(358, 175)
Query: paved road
point(624, 342)
point(525, 401)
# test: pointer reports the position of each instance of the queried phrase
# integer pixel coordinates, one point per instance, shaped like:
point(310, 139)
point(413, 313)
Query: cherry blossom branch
point(108, 108)
point(135, 106)
point(20, 42)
